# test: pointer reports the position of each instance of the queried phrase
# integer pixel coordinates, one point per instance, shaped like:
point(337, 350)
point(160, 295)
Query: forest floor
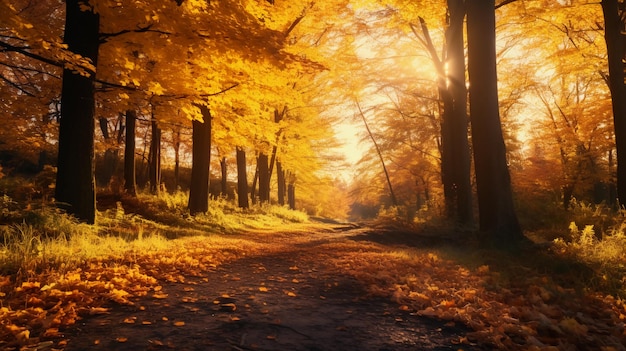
point(316, 286)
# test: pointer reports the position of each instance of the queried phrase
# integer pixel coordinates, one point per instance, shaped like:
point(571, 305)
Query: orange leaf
point(179, 324)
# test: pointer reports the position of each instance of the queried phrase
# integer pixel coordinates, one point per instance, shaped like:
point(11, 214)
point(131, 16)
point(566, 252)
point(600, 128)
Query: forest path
point(286, 298)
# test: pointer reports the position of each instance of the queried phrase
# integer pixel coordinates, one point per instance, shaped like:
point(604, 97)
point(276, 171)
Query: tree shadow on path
point(281, 300)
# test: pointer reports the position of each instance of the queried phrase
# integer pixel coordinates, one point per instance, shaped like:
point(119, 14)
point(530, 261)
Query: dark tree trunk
point(200, 162)
point(75, 184)
point(291, 190)
point(461, 164)
point(264, 178)
point(615, 42)
point(242, 179)
point(224, 176)
point(497, 217)
point(278, 116)
point(280, 178)
point(130, 186)
point(155, 158)
point(253, 192)
point(291, 195)
point(177, 158)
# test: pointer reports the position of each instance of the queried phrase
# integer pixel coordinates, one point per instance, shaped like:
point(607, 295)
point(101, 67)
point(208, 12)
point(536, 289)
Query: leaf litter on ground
point(533, 311)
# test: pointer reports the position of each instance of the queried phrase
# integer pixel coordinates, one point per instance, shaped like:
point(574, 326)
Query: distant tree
point(130, 186)
point(242, 178)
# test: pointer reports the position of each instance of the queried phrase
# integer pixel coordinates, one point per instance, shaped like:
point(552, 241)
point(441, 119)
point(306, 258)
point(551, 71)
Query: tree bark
point(75, 184)
point(291, 196)
point(461, 164)
point(224, 172)
point(280, 178)
point(242, 179)
point(176, 157)
point(200, 162)
point(497, 217)
point(253, 193)
point(615, 41)
point(264, 178)
point(155, 158)
point(130, 181)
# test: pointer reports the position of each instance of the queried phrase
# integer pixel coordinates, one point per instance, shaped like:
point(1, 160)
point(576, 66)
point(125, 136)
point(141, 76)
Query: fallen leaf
point(98, 310)
point(159, 295)
point(263, 289)
point(121, 339)
point(179, 324)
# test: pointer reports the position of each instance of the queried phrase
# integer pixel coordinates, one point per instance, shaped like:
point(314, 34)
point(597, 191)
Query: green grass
point(45, 239)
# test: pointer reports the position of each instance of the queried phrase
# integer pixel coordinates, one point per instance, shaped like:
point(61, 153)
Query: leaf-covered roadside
point(35, 313)
point(530, 311)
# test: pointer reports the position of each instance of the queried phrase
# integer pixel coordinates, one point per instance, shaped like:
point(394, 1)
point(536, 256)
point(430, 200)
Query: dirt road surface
point(285, 299)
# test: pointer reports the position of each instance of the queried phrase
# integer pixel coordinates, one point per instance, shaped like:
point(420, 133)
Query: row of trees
point(554, 104)
point(238, 75)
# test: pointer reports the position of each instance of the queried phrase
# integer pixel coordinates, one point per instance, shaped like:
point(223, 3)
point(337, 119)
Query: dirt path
point(280, 300)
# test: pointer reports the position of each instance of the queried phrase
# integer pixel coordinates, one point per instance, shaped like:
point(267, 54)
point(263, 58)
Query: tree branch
point(505, 2)
point(104, 37)
point(16, 86)
point(25, 52)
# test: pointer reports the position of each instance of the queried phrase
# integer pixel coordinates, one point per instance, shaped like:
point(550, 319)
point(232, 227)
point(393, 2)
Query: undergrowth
point(42, 238)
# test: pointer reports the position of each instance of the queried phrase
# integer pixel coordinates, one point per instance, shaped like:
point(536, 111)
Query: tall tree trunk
point(200, 162)
point(75, 184)
point(255, 180)
point(155, 158)
point(497, 217)
point(280, 178)
point(291, 195)
point(177, 157)
point(291, 190)
point(242, 179)
point(224, 176)
point(614, 29)
point(264, 178)
point(446, 108)
point(461, 165)
point(278, 116)
point(130, 181)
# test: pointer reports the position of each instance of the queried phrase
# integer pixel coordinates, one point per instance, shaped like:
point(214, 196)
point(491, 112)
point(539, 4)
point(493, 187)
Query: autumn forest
point(168, 164)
